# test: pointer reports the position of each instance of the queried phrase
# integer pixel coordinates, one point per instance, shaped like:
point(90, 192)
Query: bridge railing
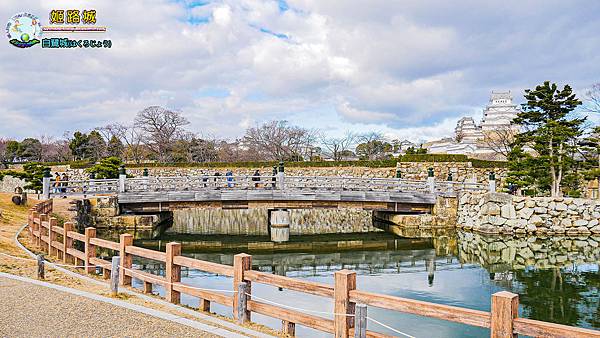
point(250, 182)
point(197, 183)
point(453, 187)
point(83, 187)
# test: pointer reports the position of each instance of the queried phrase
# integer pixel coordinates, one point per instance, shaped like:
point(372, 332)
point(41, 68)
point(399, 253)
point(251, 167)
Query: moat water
point(558, 278)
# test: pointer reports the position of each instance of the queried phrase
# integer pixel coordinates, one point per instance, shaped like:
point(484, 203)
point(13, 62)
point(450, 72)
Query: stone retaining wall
point(504, 213)
point(461, 171)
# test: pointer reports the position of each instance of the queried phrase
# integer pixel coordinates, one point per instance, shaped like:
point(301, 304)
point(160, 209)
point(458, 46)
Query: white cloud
point(403, 68)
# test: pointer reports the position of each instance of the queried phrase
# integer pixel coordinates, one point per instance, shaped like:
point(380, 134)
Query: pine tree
point(543, 154)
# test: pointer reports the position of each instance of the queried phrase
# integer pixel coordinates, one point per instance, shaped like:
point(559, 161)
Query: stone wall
point(254, 222)
point(461, 171)
point(504, 213)
point(9, 184)
point(103, 213)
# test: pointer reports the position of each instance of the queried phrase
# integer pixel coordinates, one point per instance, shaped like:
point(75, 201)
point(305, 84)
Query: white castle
point(468, 137)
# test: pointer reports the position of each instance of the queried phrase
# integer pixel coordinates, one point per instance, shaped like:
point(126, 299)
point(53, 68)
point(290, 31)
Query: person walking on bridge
point(229, 175)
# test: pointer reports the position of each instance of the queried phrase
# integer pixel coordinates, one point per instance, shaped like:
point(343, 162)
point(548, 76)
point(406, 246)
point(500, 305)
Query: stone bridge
point(278, 193)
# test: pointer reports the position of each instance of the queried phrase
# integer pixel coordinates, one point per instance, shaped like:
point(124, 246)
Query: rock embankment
point(504, 213)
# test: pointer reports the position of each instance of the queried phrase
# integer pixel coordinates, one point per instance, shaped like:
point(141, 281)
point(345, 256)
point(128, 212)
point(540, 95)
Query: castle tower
point(466, 131)
point(499, 112)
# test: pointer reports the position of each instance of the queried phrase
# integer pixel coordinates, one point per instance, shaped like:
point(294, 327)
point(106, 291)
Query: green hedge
point(308, 164)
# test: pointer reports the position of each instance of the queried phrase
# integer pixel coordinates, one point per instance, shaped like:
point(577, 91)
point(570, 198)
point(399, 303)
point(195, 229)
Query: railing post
point(122, 178)
point(281, 176)
point(114, 276)
point(90, 249)
point(52, 236)
point(46, 184)
point(67, 241)
point(241, 263)
point(125, 240)
point(505, 308)
point(492, 182)
point(172, 272)
point(360, 321)
point(430, 180)
point(242, 305)
point(345, 281)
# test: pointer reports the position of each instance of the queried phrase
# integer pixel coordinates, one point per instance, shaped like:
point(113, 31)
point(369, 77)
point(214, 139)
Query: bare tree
point(336, 147)
point(128, 134)
point(54, 150)
point(160, 128)
point(500, 140)
point(592, 104)
point(276, 140)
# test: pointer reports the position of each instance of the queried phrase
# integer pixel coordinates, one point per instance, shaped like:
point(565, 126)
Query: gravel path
point(29, 310)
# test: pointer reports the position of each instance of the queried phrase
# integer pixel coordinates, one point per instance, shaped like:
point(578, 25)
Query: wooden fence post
point(43, 230)
point(288, 328)
point(242, 307)
point(204, 305)
point(52, 236)
point(124, 241)
point(30, 223)
point(241, 263)
point(345, 281)
point(36, 227)
point(505, 308)
point(360, 321)
point(67, 242)
point(114, 276)
point(90, 249)
point(172, 272)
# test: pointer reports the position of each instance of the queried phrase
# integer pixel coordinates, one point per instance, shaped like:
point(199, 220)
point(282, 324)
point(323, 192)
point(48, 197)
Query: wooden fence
point(58, 241)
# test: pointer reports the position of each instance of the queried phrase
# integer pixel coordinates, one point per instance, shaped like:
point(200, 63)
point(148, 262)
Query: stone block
point(531, 228)
point(526, 213)
point(508, 211)
point(536, 220)
point(560, 207)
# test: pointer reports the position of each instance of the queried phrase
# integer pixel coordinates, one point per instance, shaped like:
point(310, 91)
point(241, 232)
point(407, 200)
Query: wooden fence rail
point(59, 241)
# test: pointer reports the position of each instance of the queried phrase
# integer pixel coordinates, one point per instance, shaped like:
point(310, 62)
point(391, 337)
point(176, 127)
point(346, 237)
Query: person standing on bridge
point(256, 178)
point(64, 182)
point(229, 175)
point(56, 183)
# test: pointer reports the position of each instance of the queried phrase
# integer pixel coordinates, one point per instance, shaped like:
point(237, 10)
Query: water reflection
point(558, 278)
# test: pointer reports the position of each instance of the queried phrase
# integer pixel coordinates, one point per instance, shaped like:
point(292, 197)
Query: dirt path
point(38, 311)
point(12, 219)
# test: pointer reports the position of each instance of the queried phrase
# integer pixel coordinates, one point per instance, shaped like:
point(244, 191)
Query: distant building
point(469, 137)
point(499, 112)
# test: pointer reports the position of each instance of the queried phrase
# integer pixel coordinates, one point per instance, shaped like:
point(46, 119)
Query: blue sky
point(408, 69)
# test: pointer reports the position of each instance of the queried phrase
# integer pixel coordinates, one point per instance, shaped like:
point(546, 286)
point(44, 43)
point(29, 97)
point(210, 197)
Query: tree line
point(160, 134)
